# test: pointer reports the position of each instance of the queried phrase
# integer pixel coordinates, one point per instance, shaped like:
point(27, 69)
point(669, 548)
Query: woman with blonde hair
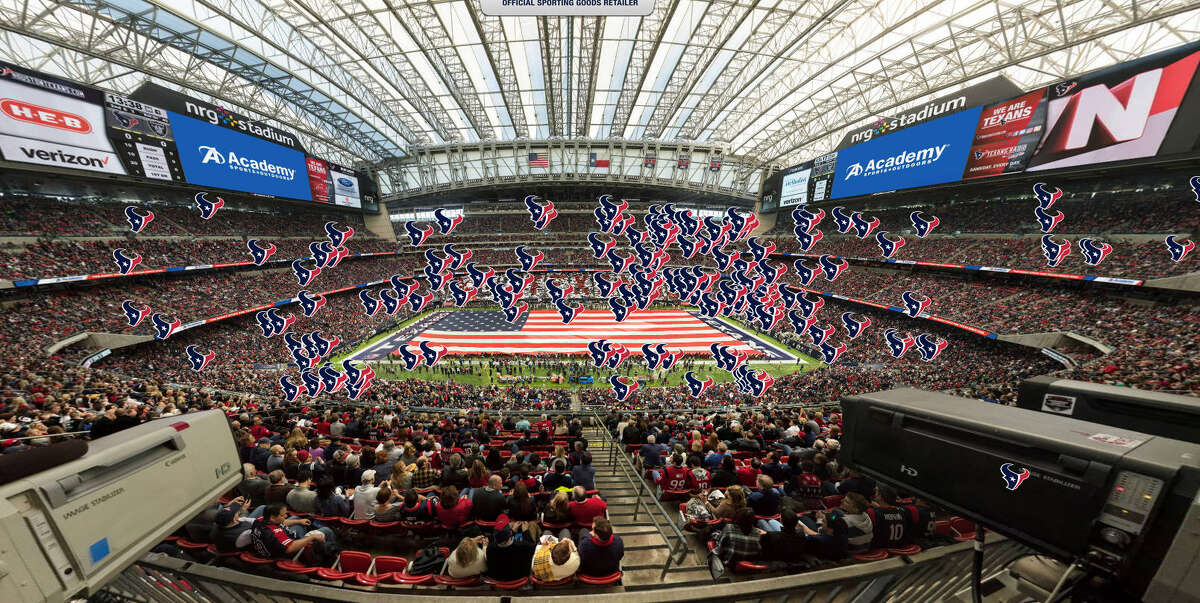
point(296, 440)
point(735, 500)
point(468, 559)
point(558, 511)
point(409, 456)
point(401, 479)
point(477, 478)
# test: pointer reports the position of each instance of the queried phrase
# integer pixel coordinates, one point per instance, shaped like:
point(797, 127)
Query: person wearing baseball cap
point(508, 557)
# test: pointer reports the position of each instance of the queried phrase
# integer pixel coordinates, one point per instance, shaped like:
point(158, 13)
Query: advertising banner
point(318, 180)
point(820, 183)
point(223, 158)
point(345, 187)
point(1006, 136)
point(214, 115)
point(931, 153)
point(794, 186)
point(1123, 112)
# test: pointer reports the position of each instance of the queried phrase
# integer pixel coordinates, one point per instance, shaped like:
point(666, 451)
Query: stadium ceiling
point(775, 80)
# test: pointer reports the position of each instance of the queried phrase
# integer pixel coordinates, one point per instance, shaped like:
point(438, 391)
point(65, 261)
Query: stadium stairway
point(646, 550)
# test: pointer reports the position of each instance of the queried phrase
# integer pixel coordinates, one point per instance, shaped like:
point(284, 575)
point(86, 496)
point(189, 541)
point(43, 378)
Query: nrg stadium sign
point(567, 8)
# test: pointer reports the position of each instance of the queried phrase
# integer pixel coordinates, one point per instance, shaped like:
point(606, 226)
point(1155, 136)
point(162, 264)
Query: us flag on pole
point(539, 160)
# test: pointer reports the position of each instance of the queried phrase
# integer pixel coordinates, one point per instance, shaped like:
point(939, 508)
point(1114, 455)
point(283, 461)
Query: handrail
point(639, 483)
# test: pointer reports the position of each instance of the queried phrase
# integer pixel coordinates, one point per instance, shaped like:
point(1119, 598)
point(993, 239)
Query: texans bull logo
point(1054, 251)
point(279, 324)
point(446, 223)
point(897, 345)
point(709, 306)
point(1179, 249)
point(635, 236)
point(567, 312)
point(417, 303)
point(820, 334)
point(356, 389)
point(806, 273)
point(888, 247)
point(759, 250)
point(391, 303)
point(137, 222)
point(304, 275)
point(416, 234)
point(809, 307)
point(913, 307)
point(309, 304)
point(688, 246)
point(1012, 478)
point(462, 296)
point(598, 351)
point(311, 382)
point(724, 260)
point(456, 258)
point(333, 379)
point(604, 286)
point(619, 263)
point(324, 346)
point(540, 215)
point(808, 239)
point(1045, 198)
point(830, 353)
point(258, 253)
point(696, 387)
point(478, 277)
point(622, 388)
point(930, 346)
point(207, 208)
point(435, 262)
point(162, 327)
point(528, 261)
point(600, 245)
point(197, 360)
point(133, 314)
point(619, 308)
point(922, 225)
point(437, 280)
point(322, 253)
point(854, 325)
point(862, 226)
point(290, 390)
point(338, 238)
point(1047, 222)
point(125, 262)
point(715, 228)
point(1094, 250)
point(841, 219)
point(411, 359)
point(430, 354)
point(369, 304)
point(615, 355)
point(805, 219)
point(831, 268)
point(513, 313)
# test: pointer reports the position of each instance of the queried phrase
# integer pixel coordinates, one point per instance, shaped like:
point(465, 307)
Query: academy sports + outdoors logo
point(233, 161)
point(901, 161)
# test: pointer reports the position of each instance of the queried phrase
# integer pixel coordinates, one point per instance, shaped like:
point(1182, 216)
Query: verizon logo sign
point(40, 152)
point(44, 116)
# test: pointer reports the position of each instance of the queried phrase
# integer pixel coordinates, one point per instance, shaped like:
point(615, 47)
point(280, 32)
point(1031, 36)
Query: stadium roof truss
point(362, 81)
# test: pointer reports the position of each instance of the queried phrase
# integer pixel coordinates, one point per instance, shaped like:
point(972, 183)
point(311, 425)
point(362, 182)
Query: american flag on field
point(539, 160)
point(542, 332)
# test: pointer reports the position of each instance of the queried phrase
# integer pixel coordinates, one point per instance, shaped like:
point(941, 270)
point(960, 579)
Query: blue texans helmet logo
point(788, 296)
point(258, 253)
point(416, 234)
point(735, 220)
point(688, 224)
point(715, 227)
point(446, 224)
point(913, 307)
point(435, 262)
point(1195, 182)
point(772, 274)
point(505, 296)
point(741, 265)
point(808, 239)
point(514, 312)
point(357, 389)
point(1046, 221)
point(339, 237)
point(709, 306)
point(162, 327)
point(351, 371)
point(197, 360)
point(805, 219)
point(863, 227)
point(619, 308)
point(604, 286)
point(1094, 250)
point(615, 355)
point(597, 350)
point(635, 236)
point(706, 247)
point(759, 382)
point(437, 280)
point(724, 260)
point(462, 296)
point(806, 273)
point(622, 388)
point(759, 250)
point(800, 322)
point(301, 359)
point(809, 307)
point(403, 287)
point(688, 247)
point(618, 263)
point(207, 208)
point(309, 304)
point(304, 275)
point(417, 303)
point(627, 295)
point(1179, 249)
point(888, 247)
point(279, 323)
point(289, 388)
point(696, 387)
point(897, 345)
point(930, 346)
point(720, 357)
point(264, 323)
point(137, 222)
point(410, 358)
point(645, 256)
point(600, 246)
point(456, 258)
point(536, 210)
point(1054, 251)
point(769, 316)
point(923, 226)
point(369, 304)
point(602, 220)
point(478, 277)
point(518, 281)
point(325, 345)
point(608, 213)
point(311, 382)
point(430, 354)
point(568, 312)
point(391, 303)
point(667, 357)
point(133, 314)
point(652, 353)
point(1012, 478)
point(125, 263)
point(528, 260)
point(1045, 198)
point(293, 343)
point(556, 291)
point(310, 347)
point(841, 219)
point(854, 325)
point(829, 353)
point(320, 251)
point(333, 379)
point(820, 334)
point(831, 268)
point(337, 255)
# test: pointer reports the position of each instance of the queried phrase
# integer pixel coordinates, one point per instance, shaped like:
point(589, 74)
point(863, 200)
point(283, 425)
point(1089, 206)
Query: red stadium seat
point(507, 584)
point(294, 567)
point(911, 549)
point(254, 560)
point(349, 564)
point(614, 578)
point(749, 567)
point(458, 582)
point(875, 555)
point(563, 582)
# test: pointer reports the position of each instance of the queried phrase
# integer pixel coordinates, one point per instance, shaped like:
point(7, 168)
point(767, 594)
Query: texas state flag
point(595, 162)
